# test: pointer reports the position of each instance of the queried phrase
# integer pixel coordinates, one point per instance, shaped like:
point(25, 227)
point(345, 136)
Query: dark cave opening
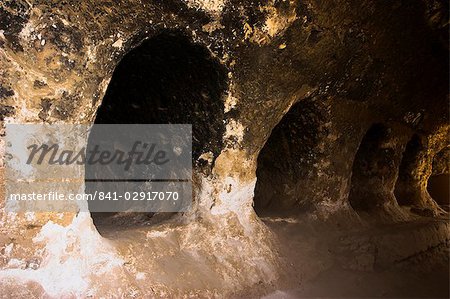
point(438, 184)
point(439, 189)
point(167, 79)
point(374, 171)
point(286, 162)
point(405, 191)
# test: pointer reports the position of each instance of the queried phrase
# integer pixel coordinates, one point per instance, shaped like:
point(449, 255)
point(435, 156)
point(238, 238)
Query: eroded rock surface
point(283, 95)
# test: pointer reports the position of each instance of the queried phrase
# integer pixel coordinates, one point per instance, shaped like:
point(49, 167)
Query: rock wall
point(292, 88)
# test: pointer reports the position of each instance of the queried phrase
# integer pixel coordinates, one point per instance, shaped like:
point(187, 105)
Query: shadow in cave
point(439, 189)
point(438, 185)
point(405, 192)
point(374, 171)
point(286, 162)
point(167, 79)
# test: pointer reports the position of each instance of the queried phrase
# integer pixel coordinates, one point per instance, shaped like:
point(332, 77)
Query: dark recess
point(167, 79)
point(373, 164)
point(286, 161)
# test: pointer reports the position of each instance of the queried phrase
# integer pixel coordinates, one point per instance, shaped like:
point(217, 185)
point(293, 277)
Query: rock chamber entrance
point(167, 79)
point(406, 190)
point(374, 171)
point(286, 162)
point(438, 185)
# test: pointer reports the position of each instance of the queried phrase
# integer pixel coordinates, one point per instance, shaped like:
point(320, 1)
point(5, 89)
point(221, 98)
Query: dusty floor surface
point(318, 260)
point(360, 263)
